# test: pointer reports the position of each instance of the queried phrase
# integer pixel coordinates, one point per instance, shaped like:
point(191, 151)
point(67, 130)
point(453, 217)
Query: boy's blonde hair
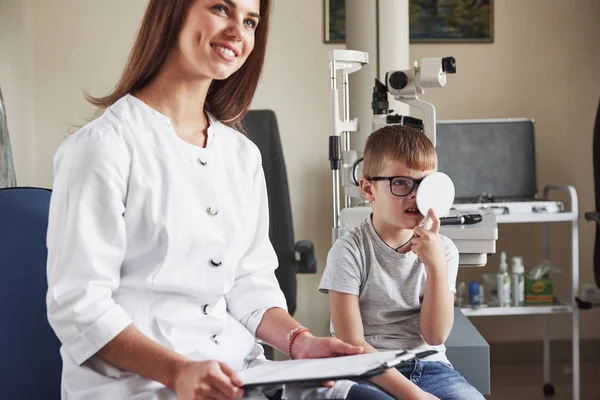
point(398, 143)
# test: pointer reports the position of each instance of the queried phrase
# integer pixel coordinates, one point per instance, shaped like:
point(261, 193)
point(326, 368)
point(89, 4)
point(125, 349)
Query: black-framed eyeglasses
point(399, 185)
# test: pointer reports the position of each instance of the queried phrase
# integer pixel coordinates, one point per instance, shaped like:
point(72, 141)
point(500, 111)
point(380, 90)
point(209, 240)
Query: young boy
point(391, 283)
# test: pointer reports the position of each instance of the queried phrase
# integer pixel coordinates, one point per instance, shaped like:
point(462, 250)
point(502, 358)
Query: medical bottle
point(474, 299)
point(517, 281)
point(503, 283)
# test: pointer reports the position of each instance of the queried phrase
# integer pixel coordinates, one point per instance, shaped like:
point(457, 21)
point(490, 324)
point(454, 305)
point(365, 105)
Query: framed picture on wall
point(430, 21)
point(335, 21)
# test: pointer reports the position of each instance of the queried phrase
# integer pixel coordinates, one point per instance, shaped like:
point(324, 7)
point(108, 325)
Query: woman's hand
point(309, 346)
point(428, 245)
point(207, 380)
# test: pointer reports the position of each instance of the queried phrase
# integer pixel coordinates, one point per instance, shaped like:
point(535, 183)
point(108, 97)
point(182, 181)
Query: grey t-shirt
point(390, 287)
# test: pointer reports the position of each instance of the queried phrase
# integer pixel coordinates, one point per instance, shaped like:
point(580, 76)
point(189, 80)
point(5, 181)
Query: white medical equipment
point(474, 241)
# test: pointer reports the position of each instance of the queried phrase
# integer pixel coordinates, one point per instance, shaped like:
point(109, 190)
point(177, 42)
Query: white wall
point(79, 46)
point(16, 82)
point(543, 64)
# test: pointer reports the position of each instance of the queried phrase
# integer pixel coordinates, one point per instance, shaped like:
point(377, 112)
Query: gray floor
point(524, 381)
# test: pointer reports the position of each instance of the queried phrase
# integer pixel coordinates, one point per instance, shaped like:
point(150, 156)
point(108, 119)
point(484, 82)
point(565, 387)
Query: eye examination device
point(474, 235)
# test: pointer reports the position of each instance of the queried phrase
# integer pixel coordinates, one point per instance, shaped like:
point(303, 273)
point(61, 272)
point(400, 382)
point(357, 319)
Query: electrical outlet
point(590, 292)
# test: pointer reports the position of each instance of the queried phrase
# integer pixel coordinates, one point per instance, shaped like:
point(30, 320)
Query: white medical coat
point(148, 229)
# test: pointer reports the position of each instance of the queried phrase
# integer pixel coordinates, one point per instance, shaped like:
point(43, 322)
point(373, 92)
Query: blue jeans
point(437, 378)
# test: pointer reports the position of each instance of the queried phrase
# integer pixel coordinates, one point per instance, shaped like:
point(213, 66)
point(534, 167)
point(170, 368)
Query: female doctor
point(160, 269)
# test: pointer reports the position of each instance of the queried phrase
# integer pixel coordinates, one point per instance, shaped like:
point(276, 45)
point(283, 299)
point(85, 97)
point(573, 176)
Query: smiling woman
point(182, 32)
point(160, 269)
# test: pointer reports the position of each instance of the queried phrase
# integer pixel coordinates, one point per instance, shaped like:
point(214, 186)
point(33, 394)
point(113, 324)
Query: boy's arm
point(347, 323)
point(437, 311)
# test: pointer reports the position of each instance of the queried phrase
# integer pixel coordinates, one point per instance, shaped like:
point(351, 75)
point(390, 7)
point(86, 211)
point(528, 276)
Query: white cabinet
point(566, 305)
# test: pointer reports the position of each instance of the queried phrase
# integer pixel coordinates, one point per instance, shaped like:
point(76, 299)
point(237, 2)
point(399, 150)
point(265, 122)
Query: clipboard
point(325, 369)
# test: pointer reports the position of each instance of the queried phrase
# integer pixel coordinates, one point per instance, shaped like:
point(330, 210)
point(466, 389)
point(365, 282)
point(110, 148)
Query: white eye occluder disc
point(436, 192)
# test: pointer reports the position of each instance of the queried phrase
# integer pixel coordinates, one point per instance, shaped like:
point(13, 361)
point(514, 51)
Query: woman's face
point(217, 37)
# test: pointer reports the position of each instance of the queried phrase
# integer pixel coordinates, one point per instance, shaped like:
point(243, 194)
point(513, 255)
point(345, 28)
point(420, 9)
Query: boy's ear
point(366, 187)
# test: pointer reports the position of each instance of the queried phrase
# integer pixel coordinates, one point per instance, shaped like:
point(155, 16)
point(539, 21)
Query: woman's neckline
point(210, 131)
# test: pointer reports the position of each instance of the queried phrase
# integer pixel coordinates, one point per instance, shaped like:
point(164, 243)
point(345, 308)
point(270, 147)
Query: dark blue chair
point(30, 362)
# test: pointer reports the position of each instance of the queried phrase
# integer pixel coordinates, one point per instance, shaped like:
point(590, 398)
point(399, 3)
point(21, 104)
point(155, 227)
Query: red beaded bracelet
point(292, 337)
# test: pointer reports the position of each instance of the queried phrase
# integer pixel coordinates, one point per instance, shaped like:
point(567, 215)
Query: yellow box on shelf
point(539, 291)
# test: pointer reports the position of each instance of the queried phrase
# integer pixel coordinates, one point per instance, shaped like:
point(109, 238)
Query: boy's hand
point(428, 245)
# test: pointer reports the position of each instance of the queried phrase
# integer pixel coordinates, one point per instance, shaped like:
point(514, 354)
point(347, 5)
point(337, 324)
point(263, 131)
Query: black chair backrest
point(30, 362)
point(596, 158)
point(261, 127)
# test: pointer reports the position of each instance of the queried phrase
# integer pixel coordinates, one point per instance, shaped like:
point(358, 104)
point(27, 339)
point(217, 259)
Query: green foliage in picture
point(430, 21)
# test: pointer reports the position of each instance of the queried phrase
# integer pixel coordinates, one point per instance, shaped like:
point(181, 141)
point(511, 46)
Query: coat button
point(205, 309)
point(202, 162)
point(212, 211)
point(215, 263)
point(216, 339)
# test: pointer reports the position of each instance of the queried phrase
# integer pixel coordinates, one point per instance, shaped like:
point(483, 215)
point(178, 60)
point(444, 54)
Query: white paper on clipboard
point(323, 369)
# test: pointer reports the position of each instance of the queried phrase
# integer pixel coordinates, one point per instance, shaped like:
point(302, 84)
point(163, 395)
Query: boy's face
point(398, 211)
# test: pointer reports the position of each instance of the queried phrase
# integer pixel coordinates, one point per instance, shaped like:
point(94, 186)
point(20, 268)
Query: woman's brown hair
point(228, 99)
